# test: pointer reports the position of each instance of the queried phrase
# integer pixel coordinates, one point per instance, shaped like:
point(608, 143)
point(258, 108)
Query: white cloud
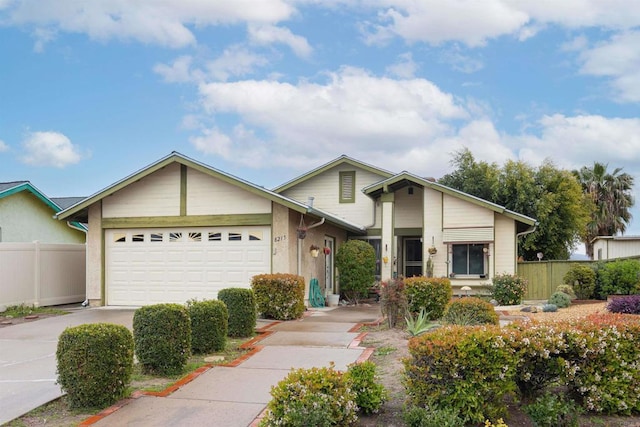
point(163, 22)
point(270, 34)
point(619, 59)
point(3, 146)
point(460, 62)
point(49, 149)
point(179, 71)
point(404, 68)
point(235, 61)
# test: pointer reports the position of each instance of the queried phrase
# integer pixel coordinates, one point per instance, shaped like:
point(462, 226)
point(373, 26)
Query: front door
point(412, 256)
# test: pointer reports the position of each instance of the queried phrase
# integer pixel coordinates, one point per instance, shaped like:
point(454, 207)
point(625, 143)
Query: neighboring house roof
point(79, 210)
point(10, 188)
point(405, 178)
point(65, 202)
point(343, 159)
point(616, 238)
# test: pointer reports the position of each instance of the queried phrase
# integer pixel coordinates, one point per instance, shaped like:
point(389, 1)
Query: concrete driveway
point(28, 358)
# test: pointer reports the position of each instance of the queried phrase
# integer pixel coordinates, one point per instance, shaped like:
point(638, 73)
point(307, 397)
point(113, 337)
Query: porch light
point(466, 289)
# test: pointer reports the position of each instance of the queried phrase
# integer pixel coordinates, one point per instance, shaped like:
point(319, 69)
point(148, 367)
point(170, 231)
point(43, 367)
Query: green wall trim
point(183, 190)
point(408, 231)
point(188, 221)
point(387, 197)
point(374, 232)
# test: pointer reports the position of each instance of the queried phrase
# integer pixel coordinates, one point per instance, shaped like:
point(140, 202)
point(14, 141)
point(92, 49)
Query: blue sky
point(92, 91)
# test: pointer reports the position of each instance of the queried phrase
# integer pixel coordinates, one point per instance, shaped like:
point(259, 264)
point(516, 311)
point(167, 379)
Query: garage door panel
point(174, 265)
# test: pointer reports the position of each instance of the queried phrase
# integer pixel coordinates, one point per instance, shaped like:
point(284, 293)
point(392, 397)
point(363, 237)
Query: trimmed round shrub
point(209, 320)
point(627, 304)
point(356, 264)
point(370, 394)
point(508, 289)
point(567, 289)
point(94, 364)
point(549, 308)
point(241, 305)
point(583, 280)
point(560, 300)
point(470, 311)
point(428, 293)
point(279, 296)
point(311, 397)
point(620, 277)
point(162, 336)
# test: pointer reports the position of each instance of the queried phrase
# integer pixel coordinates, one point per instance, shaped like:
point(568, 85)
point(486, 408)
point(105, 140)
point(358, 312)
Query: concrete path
point(28, 366)
point(28, 358)
point(225, 396)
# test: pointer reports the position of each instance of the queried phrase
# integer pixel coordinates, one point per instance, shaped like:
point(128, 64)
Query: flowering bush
point(620, 277)
point(629, 304)
point(508, 289)
point(551, 410)
point(311, 397)
point(430, 294)
point(369, 393)
point(467, 369)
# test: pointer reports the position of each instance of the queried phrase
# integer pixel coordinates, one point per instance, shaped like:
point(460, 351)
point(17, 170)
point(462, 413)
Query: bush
point(208, 325)
point(416, 416)
point(428, 293)
point(393, 300)
point(567, 289)
point(241, 305)
point(279, 296)
point(583, 280)
point(162, 336)
point(362, 380)
point(549, 308)
point(356, 264)
point(628, 304)
point(470, 311)
point(551, 410)
point(311, 397)
point(560, 300)
point(620, 277)
point(94, 364)
point(508, 289)
point(467, 370)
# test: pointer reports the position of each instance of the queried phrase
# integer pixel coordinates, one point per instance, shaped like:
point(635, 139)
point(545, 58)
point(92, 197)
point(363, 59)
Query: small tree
point(583, 280)
point(356, 263)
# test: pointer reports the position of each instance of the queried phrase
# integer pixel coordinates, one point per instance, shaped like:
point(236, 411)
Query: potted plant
point(326, 250)
point(315, 250)
point(432, 250)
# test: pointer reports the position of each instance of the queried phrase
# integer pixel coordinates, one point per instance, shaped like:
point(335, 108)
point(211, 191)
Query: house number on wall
point(280, 238)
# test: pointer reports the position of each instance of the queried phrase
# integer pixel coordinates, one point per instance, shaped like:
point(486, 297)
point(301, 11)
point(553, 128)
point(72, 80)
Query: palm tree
point(610, 197)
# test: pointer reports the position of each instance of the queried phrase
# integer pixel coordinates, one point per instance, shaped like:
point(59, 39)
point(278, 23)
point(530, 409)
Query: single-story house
point(179, 229)
point(27, 215)
point(611, 247)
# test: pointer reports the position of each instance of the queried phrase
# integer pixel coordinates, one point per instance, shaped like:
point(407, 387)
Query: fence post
point(36, 268)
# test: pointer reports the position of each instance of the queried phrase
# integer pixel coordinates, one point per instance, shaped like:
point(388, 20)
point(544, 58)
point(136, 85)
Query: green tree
point(356, 263)
point(610, 198)
point(550, 195)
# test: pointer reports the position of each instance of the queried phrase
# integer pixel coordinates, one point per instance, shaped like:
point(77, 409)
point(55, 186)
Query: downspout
point(524, 233)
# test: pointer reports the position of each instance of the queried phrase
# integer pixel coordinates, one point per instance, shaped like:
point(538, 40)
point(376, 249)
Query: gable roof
point(79, 210)
point(405, 178)
point(343, 159)
point(9, 188)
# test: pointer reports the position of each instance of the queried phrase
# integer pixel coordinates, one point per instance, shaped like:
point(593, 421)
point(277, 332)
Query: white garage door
point(149, 266)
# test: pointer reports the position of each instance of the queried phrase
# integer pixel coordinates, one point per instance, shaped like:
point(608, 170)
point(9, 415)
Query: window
point(155, 237)
point(468, 259)
point(195, 237)
point(175, 237)
point(215, 237)
point(347, 187)
point(137, 238)
point(119, 237)
point(234, 237)
point(255, 235)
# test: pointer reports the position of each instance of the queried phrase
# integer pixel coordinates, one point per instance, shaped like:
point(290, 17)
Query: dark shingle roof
point(7, 185)
point(65, 202)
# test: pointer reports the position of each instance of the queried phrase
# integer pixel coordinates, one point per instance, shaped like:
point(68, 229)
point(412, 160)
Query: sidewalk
point(236, 396)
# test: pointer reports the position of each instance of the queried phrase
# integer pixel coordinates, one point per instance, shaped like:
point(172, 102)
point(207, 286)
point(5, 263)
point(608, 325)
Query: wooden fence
point(42, 273)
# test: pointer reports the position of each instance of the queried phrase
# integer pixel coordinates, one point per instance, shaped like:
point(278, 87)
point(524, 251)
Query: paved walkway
point(236, 396)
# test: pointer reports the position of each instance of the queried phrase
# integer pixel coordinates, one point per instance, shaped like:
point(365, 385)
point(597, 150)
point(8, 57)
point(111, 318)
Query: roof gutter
point(530, 230)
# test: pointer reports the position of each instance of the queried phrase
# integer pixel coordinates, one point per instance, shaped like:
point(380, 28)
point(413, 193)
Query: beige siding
point(324, 189)
point(408, 208)
point(155, 195)
point(207, 195)
point(504, 250)
point(282, 240)
point(460, 213)
point(26, 218)
point(612, 248)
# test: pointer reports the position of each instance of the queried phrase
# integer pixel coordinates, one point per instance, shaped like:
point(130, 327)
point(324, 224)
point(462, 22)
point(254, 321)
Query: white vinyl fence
point(42, 273)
